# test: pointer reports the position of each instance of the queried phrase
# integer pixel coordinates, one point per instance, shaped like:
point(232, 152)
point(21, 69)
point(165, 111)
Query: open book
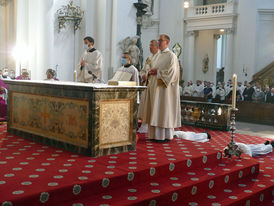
point(121, 76)
point(122, 79)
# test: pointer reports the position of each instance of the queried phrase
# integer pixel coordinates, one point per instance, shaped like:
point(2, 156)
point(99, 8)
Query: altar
point(89, 119)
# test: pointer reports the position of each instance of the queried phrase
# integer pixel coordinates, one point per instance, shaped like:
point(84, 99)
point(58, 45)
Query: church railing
point(206, 115)
point(211, 10)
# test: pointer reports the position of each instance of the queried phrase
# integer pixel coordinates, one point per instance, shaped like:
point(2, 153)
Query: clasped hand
point(83, 63)
point(153, 71)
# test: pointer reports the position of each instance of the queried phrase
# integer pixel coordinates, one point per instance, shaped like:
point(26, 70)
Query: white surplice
point(94, 65)
point(133, 71)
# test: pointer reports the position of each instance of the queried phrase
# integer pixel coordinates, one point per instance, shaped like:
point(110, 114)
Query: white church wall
point(7, 35)
point(150, 31)
point(265, 40)
point(265, 4)
point(63, 45)
point(126, 25)
point(245, 40)
point(37, 30)
point(205, 45)
point(168, 19)
point(265, 34)
point(3, 48)
point(171, 20)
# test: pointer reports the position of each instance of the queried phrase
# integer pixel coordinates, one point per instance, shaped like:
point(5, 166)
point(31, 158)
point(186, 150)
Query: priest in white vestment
point(91, 64)
point(162, 111)
point(144, 73)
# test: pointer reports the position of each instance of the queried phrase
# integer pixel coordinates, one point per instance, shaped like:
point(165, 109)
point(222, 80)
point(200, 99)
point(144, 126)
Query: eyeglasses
point(161, 40)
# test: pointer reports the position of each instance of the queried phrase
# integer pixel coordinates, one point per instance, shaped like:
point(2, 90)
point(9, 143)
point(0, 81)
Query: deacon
point(144, 73)
point(150, 63)
point(129, 68)
point(90, 68)
point(162, 110)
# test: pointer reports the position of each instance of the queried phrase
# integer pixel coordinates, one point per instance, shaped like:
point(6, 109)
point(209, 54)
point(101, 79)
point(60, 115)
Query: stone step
point(181, 185)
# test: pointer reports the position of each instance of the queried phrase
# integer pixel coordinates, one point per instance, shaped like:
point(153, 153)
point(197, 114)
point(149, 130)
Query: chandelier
point(69, 13)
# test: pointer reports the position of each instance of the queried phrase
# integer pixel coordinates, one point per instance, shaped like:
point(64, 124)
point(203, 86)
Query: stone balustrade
point(211, 10)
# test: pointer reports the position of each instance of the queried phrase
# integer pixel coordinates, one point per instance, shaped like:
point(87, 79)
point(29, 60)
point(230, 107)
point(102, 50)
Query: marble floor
point(266, 131)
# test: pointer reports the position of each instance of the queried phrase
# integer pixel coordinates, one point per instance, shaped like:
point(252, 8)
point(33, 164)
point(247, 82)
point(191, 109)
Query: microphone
point(93, 75)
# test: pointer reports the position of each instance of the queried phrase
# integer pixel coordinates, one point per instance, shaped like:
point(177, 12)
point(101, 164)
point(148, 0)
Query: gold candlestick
point(232, 148)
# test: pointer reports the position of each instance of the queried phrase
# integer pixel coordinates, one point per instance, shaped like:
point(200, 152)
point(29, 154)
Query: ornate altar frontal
point(89, 119)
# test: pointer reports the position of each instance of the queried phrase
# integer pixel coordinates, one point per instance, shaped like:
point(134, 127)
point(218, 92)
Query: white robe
point(149, 64)
point(132, 70)
point(192, 136)
point(94, 64)
point(228, 89)
point(255, 149)
point(213, 91)
point(162, 111)
point(198, 91)
point(188, 91)
point(221, 93)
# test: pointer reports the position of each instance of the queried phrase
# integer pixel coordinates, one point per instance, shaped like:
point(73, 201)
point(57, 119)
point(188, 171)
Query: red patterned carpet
point(177, 173)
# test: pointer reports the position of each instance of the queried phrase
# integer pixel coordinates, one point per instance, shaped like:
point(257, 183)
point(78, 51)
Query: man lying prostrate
point(256, 149)
point(192, 136)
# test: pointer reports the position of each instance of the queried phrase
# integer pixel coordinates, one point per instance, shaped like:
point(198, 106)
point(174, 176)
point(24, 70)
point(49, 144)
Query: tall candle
point(234, 91)
point(75, 76)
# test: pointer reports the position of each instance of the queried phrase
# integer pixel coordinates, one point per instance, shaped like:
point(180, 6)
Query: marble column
point(22, 32)
point(100, 30)
point(229, 70)
point(2, 36)
point(7, 33)
point(113, 38)
point(215, 42)
point(189, 70)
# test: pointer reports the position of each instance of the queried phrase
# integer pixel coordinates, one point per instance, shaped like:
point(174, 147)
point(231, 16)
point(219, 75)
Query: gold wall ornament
point(177, 49)
point(205, 63)
point(69, 13)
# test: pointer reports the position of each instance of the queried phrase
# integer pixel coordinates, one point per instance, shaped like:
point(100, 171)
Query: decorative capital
point(217, 36)
point(192, 33)
point(229, 31)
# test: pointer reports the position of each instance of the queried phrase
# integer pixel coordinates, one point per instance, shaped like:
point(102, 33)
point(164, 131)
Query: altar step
point(155, 172)
point(195, 186)
point(177, 189)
